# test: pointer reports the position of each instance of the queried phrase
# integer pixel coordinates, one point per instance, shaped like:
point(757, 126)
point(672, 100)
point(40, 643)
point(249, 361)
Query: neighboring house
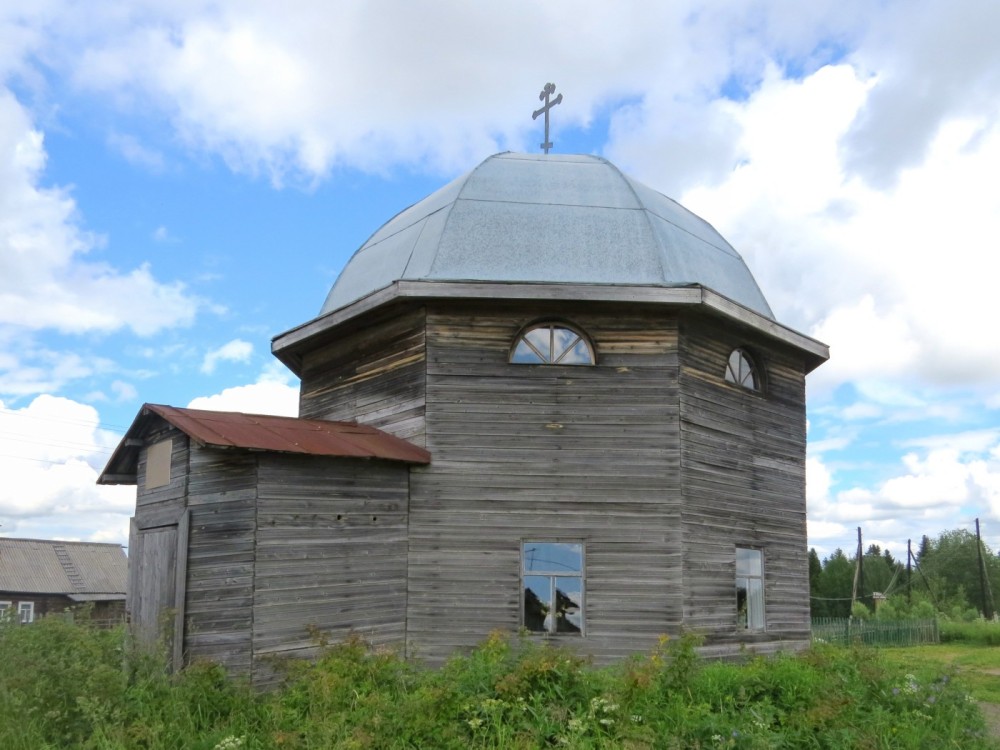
point(41, 576)
point(546, 397)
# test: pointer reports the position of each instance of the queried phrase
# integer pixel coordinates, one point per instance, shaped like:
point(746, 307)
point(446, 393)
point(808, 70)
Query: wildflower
point(606, 722)
point(637, 719)
point(575, 725)
point(475, 722)
point(229, 743)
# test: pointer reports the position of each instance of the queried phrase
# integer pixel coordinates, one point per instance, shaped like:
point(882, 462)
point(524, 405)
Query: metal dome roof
point(551, 219)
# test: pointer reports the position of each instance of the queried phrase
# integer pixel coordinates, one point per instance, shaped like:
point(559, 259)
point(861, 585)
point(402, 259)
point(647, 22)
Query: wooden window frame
point(30, 610)
point(747, 622)
point(6, 609)
point(553, 325)
point(756, 371)
point(552, 631)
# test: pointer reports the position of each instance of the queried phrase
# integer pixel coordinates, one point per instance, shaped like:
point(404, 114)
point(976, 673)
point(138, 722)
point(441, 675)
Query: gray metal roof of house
point(80, 570)
point(556, 218)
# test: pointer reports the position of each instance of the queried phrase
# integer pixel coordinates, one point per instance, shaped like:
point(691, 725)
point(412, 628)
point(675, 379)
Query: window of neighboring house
point(5, 610)
point(552, 587)
point(741, 370)
point(552, 344)
point(26, 611)
point(750, 588)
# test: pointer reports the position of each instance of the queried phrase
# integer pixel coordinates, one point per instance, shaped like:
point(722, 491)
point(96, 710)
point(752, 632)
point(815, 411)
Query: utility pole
point(909, 573)
point(859, 574)
point(984, 583)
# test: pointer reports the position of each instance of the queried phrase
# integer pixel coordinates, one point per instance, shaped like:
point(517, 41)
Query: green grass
point(70, 686)
point(978, 666)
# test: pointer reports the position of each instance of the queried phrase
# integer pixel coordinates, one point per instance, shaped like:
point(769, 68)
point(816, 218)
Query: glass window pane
point(553, 557)
point(748, 562)
point(524, 354)
point(540, 339)
point(755, 604)
point(569, 605)
point(537, 603)
point(578, 354)
point(741, 603)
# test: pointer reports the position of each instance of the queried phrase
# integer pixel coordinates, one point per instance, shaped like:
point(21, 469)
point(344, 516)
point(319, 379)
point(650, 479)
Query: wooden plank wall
point(162, 506)
point(153, 543)
point(374, 376)
point(743, 458)
point(331, 554)
point(546, 453)
point(222, 498)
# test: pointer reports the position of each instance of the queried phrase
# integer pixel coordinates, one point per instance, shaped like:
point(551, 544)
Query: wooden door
point(156, 588)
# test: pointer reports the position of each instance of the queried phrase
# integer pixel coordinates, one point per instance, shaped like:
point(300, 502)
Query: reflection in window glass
point(741, 370)
point(552, 575)
point(550, 344)
point(750, 588)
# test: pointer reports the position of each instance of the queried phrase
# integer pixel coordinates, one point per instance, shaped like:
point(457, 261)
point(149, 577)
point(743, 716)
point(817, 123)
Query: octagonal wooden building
point(576, 415)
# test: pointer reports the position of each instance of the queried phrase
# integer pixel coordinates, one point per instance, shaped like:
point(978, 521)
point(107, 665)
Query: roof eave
point(289, 346)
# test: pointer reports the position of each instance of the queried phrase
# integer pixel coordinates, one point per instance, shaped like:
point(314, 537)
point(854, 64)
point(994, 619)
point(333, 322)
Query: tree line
point(953, 575)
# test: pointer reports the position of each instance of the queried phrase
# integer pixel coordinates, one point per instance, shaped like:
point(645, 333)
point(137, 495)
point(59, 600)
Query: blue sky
point(181, 181)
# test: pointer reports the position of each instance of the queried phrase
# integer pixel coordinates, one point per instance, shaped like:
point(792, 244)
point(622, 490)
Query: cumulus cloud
point(270, 394)
point(236, 350)
point(46, 279)
point(51, 453)
point(945, 483)
point(891, 279)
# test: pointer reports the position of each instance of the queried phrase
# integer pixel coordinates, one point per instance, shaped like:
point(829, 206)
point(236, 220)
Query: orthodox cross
point(549, 89)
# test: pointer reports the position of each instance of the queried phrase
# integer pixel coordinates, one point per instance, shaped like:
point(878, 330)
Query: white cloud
point(45, 280)
point(236, 350)
point(136, 153)
point(894, 280)
point(947, 482)
point(51, 453)
point(271, 394)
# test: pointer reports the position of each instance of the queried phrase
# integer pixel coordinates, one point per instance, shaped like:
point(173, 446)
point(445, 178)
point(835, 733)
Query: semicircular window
point(552, 344)
point(742, 371)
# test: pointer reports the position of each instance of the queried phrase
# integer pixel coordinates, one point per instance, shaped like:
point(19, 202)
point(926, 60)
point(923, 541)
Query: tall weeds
point(72, 686)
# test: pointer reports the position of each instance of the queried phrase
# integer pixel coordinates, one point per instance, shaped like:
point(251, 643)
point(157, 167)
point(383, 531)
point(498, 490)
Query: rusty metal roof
point(81, 570)
point(261, 432)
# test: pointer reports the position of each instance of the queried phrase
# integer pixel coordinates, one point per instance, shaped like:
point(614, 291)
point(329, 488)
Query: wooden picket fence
point(850, 630)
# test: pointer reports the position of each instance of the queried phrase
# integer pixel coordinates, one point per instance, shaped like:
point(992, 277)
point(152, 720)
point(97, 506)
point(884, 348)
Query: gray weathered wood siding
point(374, 376)
point(222, 497)
point(151, 591)
point(331, 554)
point(743, 459)
point(546, 453)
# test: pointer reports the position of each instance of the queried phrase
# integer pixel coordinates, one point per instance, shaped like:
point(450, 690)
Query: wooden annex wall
point(331, 555)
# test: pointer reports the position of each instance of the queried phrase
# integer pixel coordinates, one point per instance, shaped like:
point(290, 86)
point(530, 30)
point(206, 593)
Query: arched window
point(551, 344)
point(742, 371)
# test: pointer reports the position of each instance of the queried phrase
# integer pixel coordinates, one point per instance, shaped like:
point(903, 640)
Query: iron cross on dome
point(549, 89)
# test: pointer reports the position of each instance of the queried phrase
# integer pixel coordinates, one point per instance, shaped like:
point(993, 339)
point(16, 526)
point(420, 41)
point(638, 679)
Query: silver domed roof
point(548, 219)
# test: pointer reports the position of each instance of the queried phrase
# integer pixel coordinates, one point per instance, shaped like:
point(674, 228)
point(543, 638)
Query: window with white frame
point(5, 610)
point(26, 612)
point(749, 588)
point(552, 587)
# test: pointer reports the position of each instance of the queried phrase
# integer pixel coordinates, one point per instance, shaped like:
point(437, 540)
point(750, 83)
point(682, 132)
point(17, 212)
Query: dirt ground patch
point(991, 712)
